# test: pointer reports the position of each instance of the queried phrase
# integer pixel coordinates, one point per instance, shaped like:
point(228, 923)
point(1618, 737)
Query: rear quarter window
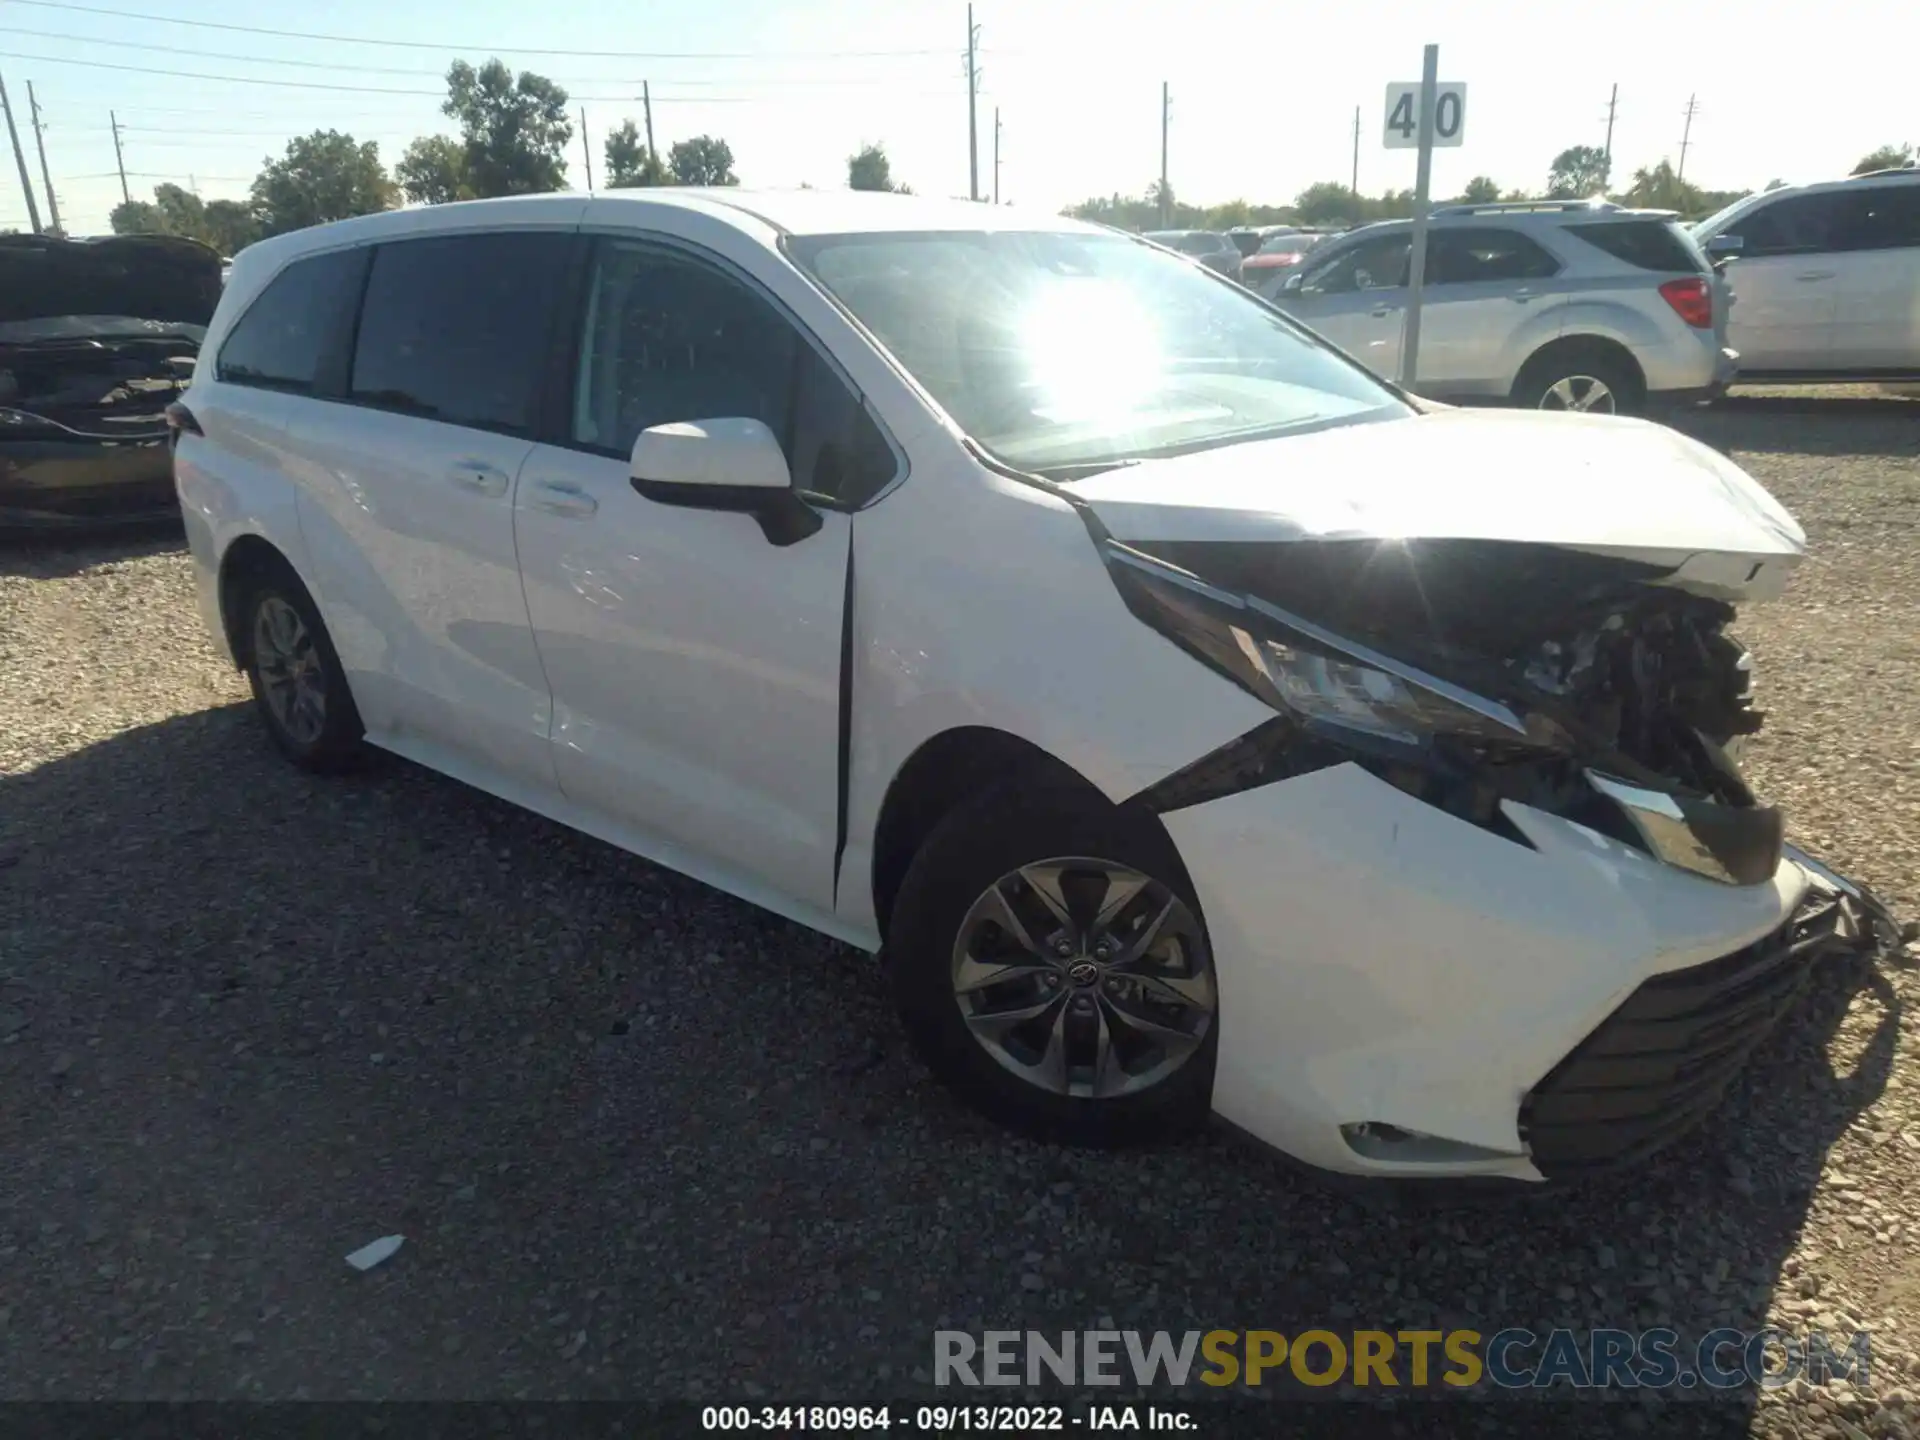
point(1644, 244)
point(281, 340)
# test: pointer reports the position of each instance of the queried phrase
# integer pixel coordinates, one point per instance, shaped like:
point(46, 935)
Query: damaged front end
point(97, 338)
point(1475, 675)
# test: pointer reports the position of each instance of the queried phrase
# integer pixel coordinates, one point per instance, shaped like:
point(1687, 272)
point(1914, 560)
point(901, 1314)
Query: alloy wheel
point(291, 678)
point(1580, 392)
point(1084, 978)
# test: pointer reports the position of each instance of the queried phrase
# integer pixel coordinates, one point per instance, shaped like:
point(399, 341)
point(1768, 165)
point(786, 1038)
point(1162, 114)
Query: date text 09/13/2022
point(944, 1419)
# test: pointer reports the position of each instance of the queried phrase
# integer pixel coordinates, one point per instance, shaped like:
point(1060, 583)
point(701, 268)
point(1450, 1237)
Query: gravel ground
point(646, 1141)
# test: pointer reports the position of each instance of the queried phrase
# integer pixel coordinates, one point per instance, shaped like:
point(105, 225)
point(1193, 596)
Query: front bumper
point(1404, 994)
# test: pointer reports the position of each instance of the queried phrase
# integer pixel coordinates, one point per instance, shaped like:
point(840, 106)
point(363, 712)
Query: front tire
point(1049, 963)
point(298, 682)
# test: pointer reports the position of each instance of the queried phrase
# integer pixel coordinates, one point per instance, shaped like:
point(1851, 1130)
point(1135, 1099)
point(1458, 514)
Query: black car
point(97, 338)
point(1210, 247)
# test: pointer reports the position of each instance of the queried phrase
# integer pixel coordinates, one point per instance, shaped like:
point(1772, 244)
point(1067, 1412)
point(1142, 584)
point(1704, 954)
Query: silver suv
point(1577, 305)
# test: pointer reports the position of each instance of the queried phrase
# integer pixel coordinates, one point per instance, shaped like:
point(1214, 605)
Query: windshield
point(1068, 351)
point(1714, 223)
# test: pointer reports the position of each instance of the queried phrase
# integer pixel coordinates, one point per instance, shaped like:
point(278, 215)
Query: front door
point(1786, 280)
point(1358, 300)
point(696, 667)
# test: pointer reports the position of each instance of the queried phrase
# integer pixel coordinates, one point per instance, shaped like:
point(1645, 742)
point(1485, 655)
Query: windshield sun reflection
point(1094, 353)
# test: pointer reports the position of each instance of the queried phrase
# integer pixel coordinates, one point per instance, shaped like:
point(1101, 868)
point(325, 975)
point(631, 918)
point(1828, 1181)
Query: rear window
point(1645, 244)
point(279, 342)
point(454, 327)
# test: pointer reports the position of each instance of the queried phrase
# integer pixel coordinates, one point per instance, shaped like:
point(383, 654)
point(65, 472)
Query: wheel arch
point(248, 557)
point(945, 770)
point(1568, 346)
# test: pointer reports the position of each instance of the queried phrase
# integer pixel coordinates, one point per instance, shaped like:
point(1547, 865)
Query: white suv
point(1199, 723)
point(1555, 305)
point(1826, 279)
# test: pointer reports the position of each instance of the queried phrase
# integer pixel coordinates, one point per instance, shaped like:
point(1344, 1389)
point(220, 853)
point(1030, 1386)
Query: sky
point(1263, 95)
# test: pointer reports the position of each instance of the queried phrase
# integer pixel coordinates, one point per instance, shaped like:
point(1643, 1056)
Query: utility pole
point(118, 159)
point(1686, 136)
point(1613, 104)
point(586, 147)
point(646, 100)
point(996, 154)
point(1417, 261)
point(1355, 187)
point(973, 95)
point(1166, 110)
point(20, 159)
point(40, 143)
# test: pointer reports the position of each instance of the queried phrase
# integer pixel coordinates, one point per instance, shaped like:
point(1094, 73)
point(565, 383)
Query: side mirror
point(1725, 246)
point(1295, 282)
point(733, 464)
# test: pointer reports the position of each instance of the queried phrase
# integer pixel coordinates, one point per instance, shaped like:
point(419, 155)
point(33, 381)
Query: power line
point(362, 89)
point(356, 68)
point(172, 20)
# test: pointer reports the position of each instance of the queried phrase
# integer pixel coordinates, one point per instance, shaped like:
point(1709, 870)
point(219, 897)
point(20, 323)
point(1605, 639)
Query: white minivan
point(1201, 724)
point(1826, 279)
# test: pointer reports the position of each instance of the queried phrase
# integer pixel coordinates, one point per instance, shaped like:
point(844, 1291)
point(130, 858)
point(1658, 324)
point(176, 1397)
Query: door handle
point(1385, 310)
point(558, 498)
point(1814, 275)
point(478, 476)
point(1521, 297)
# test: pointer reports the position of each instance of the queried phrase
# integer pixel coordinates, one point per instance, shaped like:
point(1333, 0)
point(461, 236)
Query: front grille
point(1663, 1060)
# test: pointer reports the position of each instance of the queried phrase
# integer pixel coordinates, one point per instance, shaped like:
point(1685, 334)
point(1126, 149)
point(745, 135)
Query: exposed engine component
point(1662, 683)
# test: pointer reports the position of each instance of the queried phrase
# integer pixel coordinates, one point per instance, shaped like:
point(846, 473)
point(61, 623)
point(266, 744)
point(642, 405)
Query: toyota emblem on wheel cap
point(1083, 972)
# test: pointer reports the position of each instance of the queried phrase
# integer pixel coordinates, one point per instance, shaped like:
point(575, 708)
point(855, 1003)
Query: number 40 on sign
point(1403, 115)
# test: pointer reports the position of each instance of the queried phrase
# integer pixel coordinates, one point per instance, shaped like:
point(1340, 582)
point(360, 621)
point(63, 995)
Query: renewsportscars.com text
point(1440, 1360)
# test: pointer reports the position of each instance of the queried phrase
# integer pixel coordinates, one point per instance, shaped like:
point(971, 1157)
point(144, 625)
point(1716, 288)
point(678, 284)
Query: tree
point(870, 170)
point(181, 212)
point(630, 163)
point(1329, 203)
point(1577, 172)
point(513, 130)
point(231, 226)
point(323, 176)
point(1887, 157)
point(1481, 190)
point(434, 171)
point(136, 217)
point(703, 160)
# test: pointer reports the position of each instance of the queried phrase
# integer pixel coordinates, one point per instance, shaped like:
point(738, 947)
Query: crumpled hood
point(1597, 484)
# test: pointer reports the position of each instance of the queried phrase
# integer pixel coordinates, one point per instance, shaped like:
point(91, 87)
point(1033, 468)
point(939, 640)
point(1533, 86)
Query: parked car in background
point(1266, 270)
point(1200, 724)
point(1575, 305)
point(97, 338)
point(1210, 247)
point(1249, 238)
point(1826, 279)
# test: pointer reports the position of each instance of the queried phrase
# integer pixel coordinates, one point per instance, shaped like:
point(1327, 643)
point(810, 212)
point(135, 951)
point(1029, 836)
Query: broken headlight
point(1308, 672)
point(1335, 690)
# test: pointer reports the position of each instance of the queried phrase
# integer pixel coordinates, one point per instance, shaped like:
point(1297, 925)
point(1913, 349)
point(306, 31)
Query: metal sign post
point(1417, 260)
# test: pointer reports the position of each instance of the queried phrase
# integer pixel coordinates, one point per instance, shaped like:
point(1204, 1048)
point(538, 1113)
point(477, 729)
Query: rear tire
point(298, 682)
point(1583, 380)
point(1086, 915)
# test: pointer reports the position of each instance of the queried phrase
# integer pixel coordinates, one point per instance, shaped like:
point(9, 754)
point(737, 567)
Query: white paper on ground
point(368, 1256)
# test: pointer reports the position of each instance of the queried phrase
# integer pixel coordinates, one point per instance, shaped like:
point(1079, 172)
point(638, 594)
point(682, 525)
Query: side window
point(1371, 265)
point(670, 338)
point(1461, 257)
point(455, 327)
point(281, 340)
point(1796, 225)
point(1888, 218)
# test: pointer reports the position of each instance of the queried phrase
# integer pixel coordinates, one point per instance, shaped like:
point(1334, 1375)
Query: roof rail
point(1519, 207)
point(1909, 172)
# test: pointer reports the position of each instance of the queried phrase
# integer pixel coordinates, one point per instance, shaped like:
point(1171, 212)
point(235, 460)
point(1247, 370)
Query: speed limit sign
point(1403, 115)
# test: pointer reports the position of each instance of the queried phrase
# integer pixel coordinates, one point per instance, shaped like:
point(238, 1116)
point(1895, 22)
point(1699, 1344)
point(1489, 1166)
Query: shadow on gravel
point(644, 1140)
point(1808, 424)
point(48, 554)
